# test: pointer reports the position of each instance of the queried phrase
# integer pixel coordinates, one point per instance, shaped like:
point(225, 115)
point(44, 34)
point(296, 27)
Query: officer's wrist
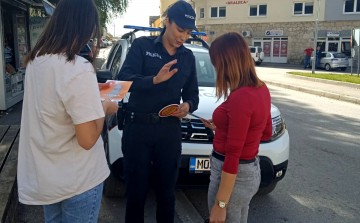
point(155, 80)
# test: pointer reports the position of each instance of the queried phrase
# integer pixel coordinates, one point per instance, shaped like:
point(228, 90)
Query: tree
point(110, 8)
point(107, 9)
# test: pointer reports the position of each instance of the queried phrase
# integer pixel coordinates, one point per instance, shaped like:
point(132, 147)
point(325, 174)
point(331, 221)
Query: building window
point(202, 13)
point(217, 12)
point(351, 6)
point(303, 8)
point(258, 10)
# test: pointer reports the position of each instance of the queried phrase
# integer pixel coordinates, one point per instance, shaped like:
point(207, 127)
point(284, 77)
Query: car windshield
point(339, 55)
point(205, 70)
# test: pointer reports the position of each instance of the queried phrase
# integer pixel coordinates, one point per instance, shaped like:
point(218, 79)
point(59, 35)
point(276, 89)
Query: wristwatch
point(222, 204)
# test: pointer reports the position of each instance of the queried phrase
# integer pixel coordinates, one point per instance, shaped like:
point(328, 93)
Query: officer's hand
point(182, 110)
point(165, 73)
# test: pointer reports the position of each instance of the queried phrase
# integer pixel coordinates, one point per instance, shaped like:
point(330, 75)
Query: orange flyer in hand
point(116, 90)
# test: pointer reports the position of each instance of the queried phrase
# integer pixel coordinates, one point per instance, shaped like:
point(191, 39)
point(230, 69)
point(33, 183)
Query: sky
point(137, 13)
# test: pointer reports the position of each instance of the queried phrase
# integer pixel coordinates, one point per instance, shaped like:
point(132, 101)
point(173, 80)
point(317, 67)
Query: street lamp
point(315, 39)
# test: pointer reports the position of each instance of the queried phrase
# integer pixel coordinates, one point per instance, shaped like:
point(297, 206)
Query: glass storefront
point(15, 46)
point(275, 48)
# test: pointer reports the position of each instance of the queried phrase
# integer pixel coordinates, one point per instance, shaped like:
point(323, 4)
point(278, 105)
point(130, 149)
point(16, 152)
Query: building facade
point(283, 28)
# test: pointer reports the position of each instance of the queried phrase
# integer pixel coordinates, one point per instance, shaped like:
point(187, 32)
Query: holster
point(121, 115)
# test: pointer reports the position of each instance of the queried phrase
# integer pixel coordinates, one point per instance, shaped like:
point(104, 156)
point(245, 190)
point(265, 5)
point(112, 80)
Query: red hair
point(233, 63)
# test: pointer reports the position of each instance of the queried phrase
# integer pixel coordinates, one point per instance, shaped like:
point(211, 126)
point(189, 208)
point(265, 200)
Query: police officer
point(163, 72)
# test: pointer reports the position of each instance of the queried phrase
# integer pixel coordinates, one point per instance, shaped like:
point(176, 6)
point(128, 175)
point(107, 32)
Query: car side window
point(111, 54)
point(252, 49)
point(115, 68)
point(328, 55)
point(204, 69)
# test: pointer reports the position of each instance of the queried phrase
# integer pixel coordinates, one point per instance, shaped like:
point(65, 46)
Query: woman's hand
point(182, 111)
point(209, 124)
point(109, 106)
point(217, 214)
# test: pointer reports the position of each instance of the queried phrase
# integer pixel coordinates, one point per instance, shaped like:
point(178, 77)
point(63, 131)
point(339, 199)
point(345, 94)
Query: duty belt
point(148, 118)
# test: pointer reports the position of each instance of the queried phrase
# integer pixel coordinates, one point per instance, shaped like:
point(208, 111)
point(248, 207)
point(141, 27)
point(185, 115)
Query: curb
point(317, 92)
point(338, 83)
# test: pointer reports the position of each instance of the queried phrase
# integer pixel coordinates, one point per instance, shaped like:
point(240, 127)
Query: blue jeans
point(317, 62)
point(306, 61)
point(246, 185)
point(82, 208)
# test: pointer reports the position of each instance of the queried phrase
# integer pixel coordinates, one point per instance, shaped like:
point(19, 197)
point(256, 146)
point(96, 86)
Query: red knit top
point(241, 121)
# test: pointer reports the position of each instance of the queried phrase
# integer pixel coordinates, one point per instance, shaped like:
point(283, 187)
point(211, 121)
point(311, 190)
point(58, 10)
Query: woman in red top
point(241, 122)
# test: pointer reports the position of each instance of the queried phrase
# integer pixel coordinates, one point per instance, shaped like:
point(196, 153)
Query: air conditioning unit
point(246, 33)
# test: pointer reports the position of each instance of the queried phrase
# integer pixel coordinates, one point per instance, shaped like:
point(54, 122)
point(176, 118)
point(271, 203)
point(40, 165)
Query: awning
point(48, 7)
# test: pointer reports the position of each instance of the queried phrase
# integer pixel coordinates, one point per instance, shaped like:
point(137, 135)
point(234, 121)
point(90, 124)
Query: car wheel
point(327, 67)
point(258, 63)
point(267, 190)
point(113, 187)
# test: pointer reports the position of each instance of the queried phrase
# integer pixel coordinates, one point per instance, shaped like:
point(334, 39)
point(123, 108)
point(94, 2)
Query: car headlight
point(278, 127)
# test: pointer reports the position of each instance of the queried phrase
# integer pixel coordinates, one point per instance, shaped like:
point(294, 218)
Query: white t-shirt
point(52, 166)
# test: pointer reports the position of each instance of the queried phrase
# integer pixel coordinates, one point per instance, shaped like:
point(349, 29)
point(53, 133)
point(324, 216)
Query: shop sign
point(274, 32)
point(333, 34)
point(236, 2)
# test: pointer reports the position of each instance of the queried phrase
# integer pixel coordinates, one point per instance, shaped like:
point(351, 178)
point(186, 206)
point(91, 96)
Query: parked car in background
point(257, 54)
point(93, 46)
point(87, 53)
point(333, 60)
point(196, 138)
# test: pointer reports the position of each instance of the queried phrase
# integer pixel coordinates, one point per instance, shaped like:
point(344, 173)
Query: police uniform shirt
point(144, 60)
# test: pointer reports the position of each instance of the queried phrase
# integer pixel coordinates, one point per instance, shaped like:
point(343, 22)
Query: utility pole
point(315, 39)
point(114, 29)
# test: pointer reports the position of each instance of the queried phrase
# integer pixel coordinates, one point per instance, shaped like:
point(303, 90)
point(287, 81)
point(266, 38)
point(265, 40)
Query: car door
point(119, 58)
point(323, 59)
point(110, 58)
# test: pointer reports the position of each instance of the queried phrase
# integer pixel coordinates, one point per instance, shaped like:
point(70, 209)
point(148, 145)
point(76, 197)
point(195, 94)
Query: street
point(321, 184)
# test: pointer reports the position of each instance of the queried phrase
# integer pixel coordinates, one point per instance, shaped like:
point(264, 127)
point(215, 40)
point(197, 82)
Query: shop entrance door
point(275, 49)
point(280, 50)
point(333, 46)
point(267, 50)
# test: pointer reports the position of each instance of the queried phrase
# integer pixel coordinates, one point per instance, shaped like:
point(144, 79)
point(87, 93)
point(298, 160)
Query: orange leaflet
point(168, 110)
point(116, 90)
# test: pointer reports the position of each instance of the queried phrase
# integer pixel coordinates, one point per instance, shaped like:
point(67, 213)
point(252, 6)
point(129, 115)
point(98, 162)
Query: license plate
point(199, 165)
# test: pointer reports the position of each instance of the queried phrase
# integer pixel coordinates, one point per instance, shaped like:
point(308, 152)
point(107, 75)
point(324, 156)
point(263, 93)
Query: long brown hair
point(233, 63)
point(70, 28)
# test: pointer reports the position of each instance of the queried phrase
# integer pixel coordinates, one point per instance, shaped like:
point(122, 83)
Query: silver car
point(333, 60)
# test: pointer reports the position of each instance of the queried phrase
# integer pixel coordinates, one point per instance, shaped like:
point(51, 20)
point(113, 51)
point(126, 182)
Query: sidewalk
point(332, 89)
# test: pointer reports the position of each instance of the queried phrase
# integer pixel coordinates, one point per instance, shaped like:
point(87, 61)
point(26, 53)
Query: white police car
point(196, 139)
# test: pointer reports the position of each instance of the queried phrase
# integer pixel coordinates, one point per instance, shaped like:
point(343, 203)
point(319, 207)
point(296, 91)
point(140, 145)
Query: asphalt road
point(322, 183)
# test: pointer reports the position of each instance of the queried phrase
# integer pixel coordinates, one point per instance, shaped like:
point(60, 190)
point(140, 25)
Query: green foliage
point(107, 9)
point(110, 8)
point(331, 76)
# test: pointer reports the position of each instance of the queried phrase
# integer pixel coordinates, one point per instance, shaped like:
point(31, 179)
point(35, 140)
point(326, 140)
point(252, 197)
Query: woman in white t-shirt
point(61, 163)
